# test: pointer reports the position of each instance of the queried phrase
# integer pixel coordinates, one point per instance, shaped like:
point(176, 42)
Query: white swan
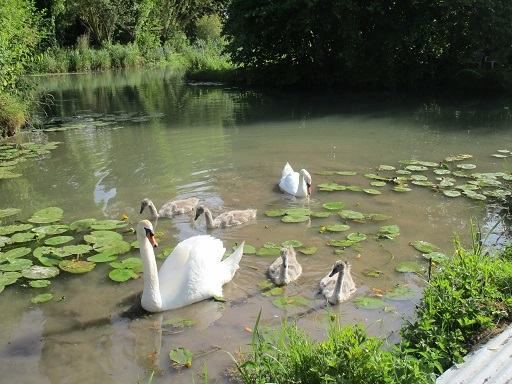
point(194, 271)
point(338, 289)
point(169, 209)
point(295, 183)
point(226, 219)
point(286, 268)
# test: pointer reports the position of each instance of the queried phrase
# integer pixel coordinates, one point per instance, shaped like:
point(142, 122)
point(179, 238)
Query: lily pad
point(276, 291)
point(121, 275)
point(76, 267)
point(9, 212)
point(466, 166)
point(47, 215)
point(371, 191)
point(334, 205)
point(424, 246)
point(108, 224)
point(134, 263)
point(402, 189)
point(401, 293)
point(340, 243)
point(24, 237)
point(409, 266)
point(79, 249)
point(355, 188)
point(416, 168)
point(15, 265)
point(321, 214)
point(437, 257)
point(383, 167)
point(451, 193)
point(329, 187)
point(49, 259)
point(38, 272)
point(7, 278)
point(42, 298)
point(337, 227)
point(42, 251)
point(369, 303)
point(347, 214)
point(391, 229)
point(59, 240)
point(51, 229)
point(268, 252)
point(9, 229)
point(39, 283)
point(179, 323)
point(293, 243)
point(96, 237)
point(16, 253)
point(118, 247)
point(378, 217)
point(82, 225)
point(181, 356)
point(307, 250)
point(275, 212)
point(299, 212)
point(291, 302)
point(294, 219)
point(378, 183)
point(357, 237)
point(103, 257)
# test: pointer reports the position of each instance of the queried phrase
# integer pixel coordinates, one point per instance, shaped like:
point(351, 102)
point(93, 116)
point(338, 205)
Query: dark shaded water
point(149, 134)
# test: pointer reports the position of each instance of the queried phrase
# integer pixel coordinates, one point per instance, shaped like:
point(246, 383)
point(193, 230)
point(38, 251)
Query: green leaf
point(7, 278)
point(334, 205)
point(369, 303)
point(134, 263)
point(108, 224)
point(51, 229)
point(424, 246)
point(9, 229)
point(181, 356)
point(290, 302)
point(103, 257)
point(409, 266)
point(76, 267)
point(16, 253)
point(307, 250)
point(42, 298)
point(353, 215)
point(121, 275)
point(268, 252)
point(46, 215)
point(15, 265)
point(79, 249)
point(293, 243)
point(102, 237)
point(179, 323)
point(357, 237)
point(9, 212)
point(59, 240)
point(337, 227)
point(39, 283)
point(38, 272)
point(81, 225)
point(401, 293)
point(294, 219)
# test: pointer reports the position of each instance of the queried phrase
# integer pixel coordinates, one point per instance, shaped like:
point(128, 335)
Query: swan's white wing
point(286, 170)
point(229, 266)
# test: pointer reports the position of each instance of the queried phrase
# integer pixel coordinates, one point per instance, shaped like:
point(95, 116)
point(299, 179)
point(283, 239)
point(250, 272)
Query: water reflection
point(133, 135)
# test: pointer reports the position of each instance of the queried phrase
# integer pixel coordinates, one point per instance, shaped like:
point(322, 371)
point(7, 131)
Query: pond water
point(151, 134)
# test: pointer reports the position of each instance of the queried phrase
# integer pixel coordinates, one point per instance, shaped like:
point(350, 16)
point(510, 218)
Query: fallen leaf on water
point(248, 329)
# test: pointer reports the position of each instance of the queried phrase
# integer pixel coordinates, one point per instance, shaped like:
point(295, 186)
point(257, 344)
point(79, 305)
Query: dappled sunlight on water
point(227, 147)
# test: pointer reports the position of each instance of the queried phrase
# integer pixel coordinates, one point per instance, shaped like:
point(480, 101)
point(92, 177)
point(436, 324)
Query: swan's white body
point(169, 209)
point(194, 271)
point(226, 219)
point(295, 183)
point(338, 288)
point(286, 268)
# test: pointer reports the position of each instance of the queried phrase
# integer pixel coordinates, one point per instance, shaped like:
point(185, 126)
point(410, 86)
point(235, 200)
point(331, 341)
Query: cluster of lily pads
point(13, 154)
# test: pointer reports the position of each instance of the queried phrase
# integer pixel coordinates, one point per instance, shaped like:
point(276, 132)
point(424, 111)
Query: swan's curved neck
point(284, 275)
point(152, 211)
point(336, 294)
point(209, 219)
point(151, 297)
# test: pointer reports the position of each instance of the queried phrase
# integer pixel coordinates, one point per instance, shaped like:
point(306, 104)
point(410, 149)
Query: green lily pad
point(378, 217)
point(353, 215)
point(369, 302)
point(466, 166)
point(345, 173)
point(179, 323)
point(248, 249)
point(424, 246)
point(293, 243)
point(276, 291)
point(16, 253)
point(46, 215)
point(76, 267)
point(409, 266)
point(9, 229)
point(307, 250)
point(181, 356)
point(401, 293)
point(134, 263)
point(108, 224)
point(81, 225)
point(37, 272)
point(334, 205)
point(391, 229)
point(42, 251)
point(275, 212)
point(39, 283)
point(96, 237)
point(42, 298)
point(386, 168)
point(7, 278)
point(15, 265)
point(437, 257)
point(9, 212)
point(329, 187)
point(24, 237)
point(294, 219)
point(402, 189)
point(118, 247)
point(268, 252)
point(470, 194)
point(442, 171)
point(337, 227)
point(340, 243)
point(321, 214)
point(355, 188)
point(49, 259)
point(290, 302)
point(121, 275)
point(356, 237)
point(378, 183)
point(103, 257)
point(372, 272)
point(451, 193)
point(416, 168)
point(4, 240)
point(299, 212)
point(422, 183)
point(265, 284)
point(77, 249)
point(51, 229)
point(59, 240)
point(371, 191)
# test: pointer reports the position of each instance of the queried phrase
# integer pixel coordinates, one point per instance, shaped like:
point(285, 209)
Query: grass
point(468, 299)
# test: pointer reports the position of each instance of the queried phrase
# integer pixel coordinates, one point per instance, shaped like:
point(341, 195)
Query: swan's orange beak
point(151, 237)
point(309, 189)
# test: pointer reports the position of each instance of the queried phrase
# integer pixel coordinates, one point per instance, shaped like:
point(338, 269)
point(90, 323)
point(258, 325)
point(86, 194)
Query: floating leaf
point(401, 189)
point(179, 323)
point(248, 249)
point(39, 283)
point(46, 215)
point(293, 243)
point(121, 275)
point(401, 293)
point(38, 272)
point(51, 229)
point(73, 266)
point(340, 243)
point(334, 205)
point(378, 217)
point(307, 250)
point(337, 227)
point(294, 219)
point(437, 257)
point(181, 356)
point(9, 229)
point(103, 257)
point(321, 214)
point(102, 237)
point(42, 298)
point(7, 278)
point(329, 187)
point(79, 249)
point(42, 251)
point(378, 183)
point(15, 265)
point(276, 291)
point(134, 263)
point(371, 272)
point(424, 246)
point(9, 212)
point(391, 229)
point(355, 188)
point(59, 240)
point(409, 266)
point(357, 237)
point(108, 224)
point(15, 253)
point(299, 212)
point(275, 212)
point(416, 168)
point(451, 193)
point(345, 173)
point(347, 214)
point(268, 252)
point(386, 168)
point(25, 237)
point(372, 191)
point(290, 302)
point(81, 225)
point(369, 303)
point(115, 247)
point(466, 166)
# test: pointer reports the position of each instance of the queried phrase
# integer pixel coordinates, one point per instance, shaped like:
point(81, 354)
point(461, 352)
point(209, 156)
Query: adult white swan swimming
point(295, 183)
point(194, 271)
